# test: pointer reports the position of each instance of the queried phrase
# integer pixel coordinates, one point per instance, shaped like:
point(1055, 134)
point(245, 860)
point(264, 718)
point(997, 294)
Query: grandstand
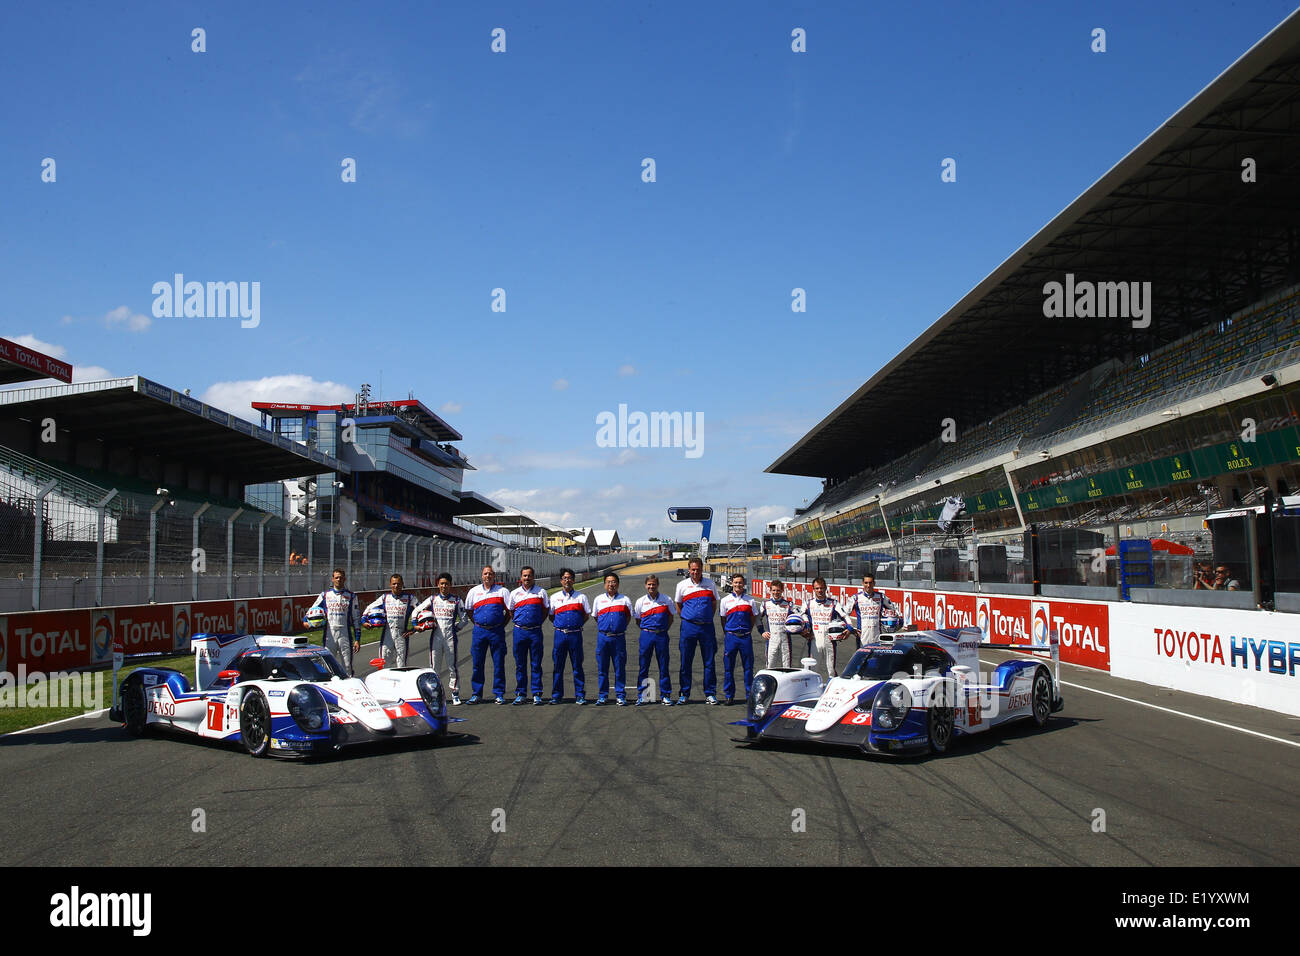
point(1117, 426)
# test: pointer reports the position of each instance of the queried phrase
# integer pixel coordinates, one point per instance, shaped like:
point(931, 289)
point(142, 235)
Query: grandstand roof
point(18, 363)
point(1175, 211)
point(156, 420)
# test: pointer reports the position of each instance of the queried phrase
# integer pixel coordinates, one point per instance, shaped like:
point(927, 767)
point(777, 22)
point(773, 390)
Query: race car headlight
point(893, 701)
point(761, 695)
point(430, 691)
point(308, 709)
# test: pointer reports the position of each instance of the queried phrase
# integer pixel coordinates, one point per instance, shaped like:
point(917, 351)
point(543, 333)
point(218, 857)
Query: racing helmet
point(835, 631)
point(794, 624)
point(423, 620)
point(890, 621)
point(314, 618)
point(373, 619)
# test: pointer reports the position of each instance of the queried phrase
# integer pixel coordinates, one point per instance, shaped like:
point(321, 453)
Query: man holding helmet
point(392, 611)
point(828, 621)
point(342, 620)
point(866, 607)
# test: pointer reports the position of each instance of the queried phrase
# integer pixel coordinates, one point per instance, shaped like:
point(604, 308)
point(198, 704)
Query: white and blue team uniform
point(654, 615)
point(866, 610)
point(489, 610)
point(569, 612)
point(697, 604)
point(529, 610)
point(739, 612)
point(612, 614)
point(774, 614)
point(448, 615)
point(342, 624)
point(397, 618)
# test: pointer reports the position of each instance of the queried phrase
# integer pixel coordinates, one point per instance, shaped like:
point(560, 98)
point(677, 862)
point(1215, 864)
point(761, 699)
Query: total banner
point(48, 641)
point(1084, 627)
point(1244, 656)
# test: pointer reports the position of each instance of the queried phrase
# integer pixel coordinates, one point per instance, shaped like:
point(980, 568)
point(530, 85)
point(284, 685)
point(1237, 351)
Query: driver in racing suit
point(821, 612)
point(448, 615)
point(396, 606)
point(773, 613)
point(866, 607)
point(342, 615)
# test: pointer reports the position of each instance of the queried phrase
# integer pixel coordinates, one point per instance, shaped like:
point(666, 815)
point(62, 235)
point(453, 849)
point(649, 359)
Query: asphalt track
point(572, 785)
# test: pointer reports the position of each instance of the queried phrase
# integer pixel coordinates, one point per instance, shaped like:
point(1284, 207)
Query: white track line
point(1204, 720)
point(28, 730)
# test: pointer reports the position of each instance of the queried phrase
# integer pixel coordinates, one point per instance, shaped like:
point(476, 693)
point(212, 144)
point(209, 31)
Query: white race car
point(910, 693)
point(280, 695)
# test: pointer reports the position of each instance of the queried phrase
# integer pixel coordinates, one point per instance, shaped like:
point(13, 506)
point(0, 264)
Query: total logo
point(286, 617)
point(241, 617)
point(982, 619)
point(263, 621)
point(181, 627)
point(102, 629)
point(1041, 625)
point(940, 611)
point(915, 612)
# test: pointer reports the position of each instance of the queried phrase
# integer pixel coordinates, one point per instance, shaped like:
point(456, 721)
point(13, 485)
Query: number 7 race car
point(910, 694)
point(280, 695)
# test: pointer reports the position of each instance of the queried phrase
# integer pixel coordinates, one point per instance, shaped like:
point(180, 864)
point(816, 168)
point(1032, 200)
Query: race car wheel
point(941, 721)
point(134, 715)
point(255, 723)
point(1042, 698)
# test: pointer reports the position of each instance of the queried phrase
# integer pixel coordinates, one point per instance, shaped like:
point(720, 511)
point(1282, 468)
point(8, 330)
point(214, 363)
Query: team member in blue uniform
point(529, 607)
point(654, 615)
point(738, 611)
point(489, 608)
point(613, 612)
point(697, 598)
point(569, 612)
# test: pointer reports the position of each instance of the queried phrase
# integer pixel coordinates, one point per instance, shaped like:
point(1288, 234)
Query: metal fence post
point(288, 534)
point(194, 574)
point(100, 506)
point(153, 545)
point(261, 555)
point(38, 540)
point(230, 552)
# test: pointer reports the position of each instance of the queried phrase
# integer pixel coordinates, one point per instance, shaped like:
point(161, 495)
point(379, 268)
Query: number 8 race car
point(280, 695)
point(914, 693)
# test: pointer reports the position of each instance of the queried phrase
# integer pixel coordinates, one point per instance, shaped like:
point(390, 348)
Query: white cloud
point(617, 491)
point(134, 321)
point(451, 408)
point(560, 384)
point(236, 397)
point(625, 370)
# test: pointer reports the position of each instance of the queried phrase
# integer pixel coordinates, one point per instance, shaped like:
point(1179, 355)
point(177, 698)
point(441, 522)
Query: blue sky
point(523, 171)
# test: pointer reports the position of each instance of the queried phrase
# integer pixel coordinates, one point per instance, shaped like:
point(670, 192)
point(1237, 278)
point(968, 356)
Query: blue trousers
point(737, 643)
point(488, 640)
point(528, 644)
point(690, 636)
point(612, 647)
point(654, 643)
point(567, 645)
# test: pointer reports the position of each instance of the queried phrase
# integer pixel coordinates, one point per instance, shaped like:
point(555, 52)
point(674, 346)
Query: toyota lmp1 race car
point(280, 695)
point(911, 694)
